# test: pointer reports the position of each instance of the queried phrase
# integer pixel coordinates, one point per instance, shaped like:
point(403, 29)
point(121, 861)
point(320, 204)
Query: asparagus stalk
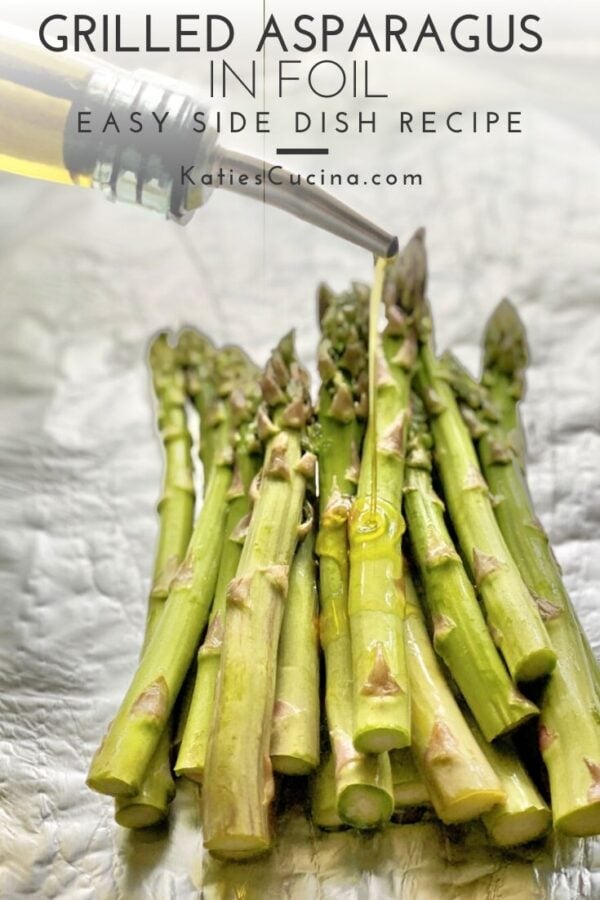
point(191, 758)
point(120, 763)
point(460, 781)
point(460, 635)
point(363, 783)
point(324, 805)
point(176, 514)
point(523, 816)
point(238, 784)
point(409, 787)
point(197, 355)
point(506, 355)
point(514, 621)
point(569, 729)
point(505, 361)
point(295, 727)
point(376, 598)
point(182, 708)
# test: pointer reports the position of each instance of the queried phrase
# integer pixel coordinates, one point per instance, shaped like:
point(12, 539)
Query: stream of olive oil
point(374, 307)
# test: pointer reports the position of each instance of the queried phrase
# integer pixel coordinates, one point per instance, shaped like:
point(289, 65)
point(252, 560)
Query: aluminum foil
point(83, 286)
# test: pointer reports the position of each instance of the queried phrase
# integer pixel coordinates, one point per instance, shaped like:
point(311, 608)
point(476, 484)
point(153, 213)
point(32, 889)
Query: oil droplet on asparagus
point(374, 307)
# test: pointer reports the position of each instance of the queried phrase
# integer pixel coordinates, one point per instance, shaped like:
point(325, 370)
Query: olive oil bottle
point(49, 103)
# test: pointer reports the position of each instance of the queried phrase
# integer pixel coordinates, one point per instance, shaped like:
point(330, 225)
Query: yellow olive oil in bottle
point(74, 119)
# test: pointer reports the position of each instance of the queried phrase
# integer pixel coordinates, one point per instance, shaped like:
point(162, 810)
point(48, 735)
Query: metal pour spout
point(305, 201)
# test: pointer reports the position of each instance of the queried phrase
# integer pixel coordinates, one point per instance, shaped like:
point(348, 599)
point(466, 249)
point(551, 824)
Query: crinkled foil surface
point(83, 285)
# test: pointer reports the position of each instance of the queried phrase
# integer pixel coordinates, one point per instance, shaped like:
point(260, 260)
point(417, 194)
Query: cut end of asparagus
point(583, 822)
point(409, 787)
point(365, 806)
point(293, 765)
point(380, 740)
point(523, 711)
point(407, 796)
point(536, 665)
point(140, 815)
point(111, 785)
point(192, 773)
point(237, 847)
point(520, 828)
point(328, 820)
point(470, 806)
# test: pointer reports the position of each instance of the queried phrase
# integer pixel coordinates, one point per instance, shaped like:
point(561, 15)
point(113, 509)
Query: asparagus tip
point(406, 285)
point(324, 297)
point(192, 346)
point(505, 343)
point(161, 352)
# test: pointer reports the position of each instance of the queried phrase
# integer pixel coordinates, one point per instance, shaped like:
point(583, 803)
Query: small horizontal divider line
point(302, 151)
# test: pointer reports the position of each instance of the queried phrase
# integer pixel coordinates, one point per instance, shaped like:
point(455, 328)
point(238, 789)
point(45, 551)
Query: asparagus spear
point(363, 783)
point(238, 783)
point(516, 625)
point(181, 709)
point(122, 759)
point(376, 598)
point(523, 816)
point(295, 727)
point(506, 355)
point(176, 514)
point(324, 806)
point(505, 360)
point(191, 757)
point(569, 730)
point(409, 787)
point(460, 635)
point(459, 779)
point(197, 355)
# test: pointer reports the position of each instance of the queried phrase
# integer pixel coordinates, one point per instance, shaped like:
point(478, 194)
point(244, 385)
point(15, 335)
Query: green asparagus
point(197, 355)
point(295, 734)
point(524, 816)
point(120, 763)
point(513, 619)
point(569, 730)
point(324, 806)
point(409, 787)
point(460, 635)
point(459, 780)
point(191, 757)
point(376, 602)
point(363, 783)
point(176, 514)
point(238, 780)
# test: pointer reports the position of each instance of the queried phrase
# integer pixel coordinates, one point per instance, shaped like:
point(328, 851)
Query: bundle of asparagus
point(569, 724)
point(420, 510)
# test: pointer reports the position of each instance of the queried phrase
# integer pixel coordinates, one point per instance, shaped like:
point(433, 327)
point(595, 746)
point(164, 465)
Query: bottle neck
point(133, 134)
